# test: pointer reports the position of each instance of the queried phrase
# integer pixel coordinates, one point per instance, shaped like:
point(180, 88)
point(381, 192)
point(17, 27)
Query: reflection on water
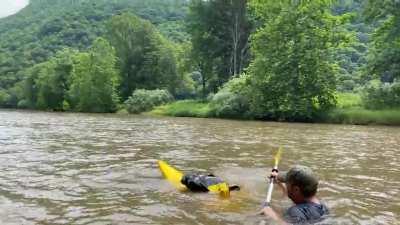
point(101, 169)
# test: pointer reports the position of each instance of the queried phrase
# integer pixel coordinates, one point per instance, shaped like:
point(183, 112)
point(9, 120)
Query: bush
point(378, 95)
point(184, 108)
point(347, 85)
point(186, 88)
point(348, 100)
point(4, 98)
point(362, 116)
point(145, 100)
point(23, 104)
point(226, 104)
point(232, 101)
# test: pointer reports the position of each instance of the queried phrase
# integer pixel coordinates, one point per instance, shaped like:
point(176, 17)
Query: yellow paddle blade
point(221, 188)
point(173, 175)
point(278, 156)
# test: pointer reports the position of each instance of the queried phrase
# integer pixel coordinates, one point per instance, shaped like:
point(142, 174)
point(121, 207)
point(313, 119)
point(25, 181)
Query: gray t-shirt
point(306, 213)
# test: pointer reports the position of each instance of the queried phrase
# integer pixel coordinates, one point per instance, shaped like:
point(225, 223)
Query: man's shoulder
point(306, 213)
point(321, 207)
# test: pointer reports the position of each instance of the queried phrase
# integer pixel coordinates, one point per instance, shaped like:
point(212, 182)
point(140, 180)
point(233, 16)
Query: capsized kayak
point(173, 175)
point(221, 188)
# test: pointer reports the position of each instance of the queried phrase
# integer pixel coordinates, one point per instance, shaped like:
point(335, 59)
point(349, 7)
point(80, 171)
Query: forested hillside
point(353, 57)
point(288, 60)
point(47, 26)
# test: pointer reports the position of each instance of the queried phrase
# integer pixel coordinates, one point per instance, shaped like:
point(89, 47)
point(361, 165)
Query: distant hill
point(42, 28)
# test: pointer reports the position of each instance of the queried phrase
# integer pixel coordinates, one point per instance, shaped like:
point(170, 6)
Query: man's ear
point(296, 189)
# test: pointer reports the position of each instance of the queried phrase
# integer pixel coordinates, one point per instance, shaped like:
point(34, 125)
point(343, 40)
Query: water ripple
point(101, 169)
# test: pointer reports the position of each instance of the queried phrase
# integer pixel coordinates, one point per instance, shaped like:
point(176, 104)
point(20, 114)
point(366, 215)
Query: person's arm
point(268, 211)
point(281, 185)
point(283, 188)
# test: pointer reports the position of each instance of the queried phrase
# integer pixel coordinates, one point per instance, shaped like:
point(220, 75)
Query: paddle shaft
point(271, 187)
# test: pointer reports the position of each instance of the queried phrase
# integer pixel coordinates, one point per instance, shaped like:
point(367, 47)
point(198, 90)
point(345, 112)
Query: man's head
point(301, 183)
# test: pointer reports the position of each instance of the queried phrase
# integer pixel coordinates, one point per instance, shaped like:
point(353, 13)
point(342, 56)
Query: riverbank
point(185, 108)
point(349, 112)
point(360, 116)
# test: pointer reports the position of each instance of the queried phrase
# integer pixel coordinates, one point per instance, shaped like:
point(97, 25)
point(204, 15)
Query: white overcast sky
point(9, 7)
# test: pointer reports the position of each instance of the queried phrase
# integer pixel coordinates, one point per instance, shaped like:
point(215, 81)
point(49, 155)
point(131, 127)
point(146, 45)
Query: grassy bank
point(348, 100)
point(360, 116)
point(349, 111)
point(186, 108)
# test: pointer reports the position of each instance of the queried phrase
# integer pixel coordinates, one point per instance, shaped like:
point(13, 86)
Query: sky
point(9, 7)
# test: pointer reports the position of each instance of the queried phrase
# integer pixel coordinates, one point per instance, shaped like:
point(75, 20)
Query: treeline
point(134, 56)
point(45, 27)
point(264, 59)
point(304, 52)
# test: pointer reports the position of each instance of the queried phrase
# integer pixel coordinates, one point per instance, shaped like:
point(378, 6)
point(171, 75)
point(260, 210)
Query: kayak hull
point(172, 174)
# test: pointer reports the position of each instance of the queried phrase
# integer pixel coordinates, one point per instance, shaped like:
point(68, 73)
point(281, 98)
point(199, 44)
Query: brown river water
point(61, 168)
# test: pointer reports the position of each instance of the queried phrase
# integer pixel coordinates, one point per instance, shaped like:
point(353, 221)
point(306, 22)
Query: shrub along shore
point(126, 56)
point(344, 114)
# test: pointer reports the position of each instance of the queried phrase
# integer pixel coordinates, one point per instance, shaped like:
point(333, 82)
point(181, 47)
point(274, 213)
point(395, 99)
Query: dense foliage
point(145, 100)
point(384, 61)
point(46, 84)
point(352, 57)
point(378, 95)
point(293, 76)
point(72, 80)
point(94, 79)
point(220, 31)
point(281, 60)
point(146, 59)
point(232, 101)
point(45, 27)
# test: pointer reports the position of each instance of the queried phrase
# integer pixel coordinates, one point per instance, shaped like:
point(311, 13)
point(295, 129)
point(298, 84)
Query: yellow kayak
point(173, 175)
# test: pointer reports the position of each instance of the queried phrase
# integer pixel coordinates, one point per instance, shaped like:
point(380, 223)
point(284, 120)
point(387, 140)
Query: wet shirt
point(200, 183)
point(306, 213)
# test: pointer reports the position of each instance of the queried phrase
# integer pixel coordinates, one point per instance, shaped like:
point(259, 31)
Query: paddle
point(271, 179)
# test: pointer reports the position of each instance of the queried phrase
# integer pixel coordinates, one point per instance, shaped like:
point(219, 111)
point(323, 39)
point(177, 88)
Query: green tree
point(4, 98)
point(293, 77)
point(145, 100)
point(186, 84)
point(44, 27)
point(353, 57)
point(94, 79)
point(46, 84)
point(384, 58)
point(52, 83)
point(145, 58)
point(232, 100)
point(220, 31)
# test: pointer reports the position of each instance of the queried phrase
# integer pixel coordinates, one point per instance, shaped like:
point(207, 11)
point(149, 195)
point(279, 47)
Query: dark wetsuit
point(306, 213)
point(200, 183)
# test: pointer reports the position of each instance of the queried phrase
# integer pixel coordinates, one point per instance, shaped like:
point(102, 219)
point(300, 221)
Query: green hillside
point(260, 59)
point(46, 26)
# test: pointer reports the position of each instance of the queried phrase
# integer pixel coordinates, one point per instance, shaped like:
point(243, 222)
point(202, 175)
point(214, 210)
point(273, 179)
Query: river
point(66, 168)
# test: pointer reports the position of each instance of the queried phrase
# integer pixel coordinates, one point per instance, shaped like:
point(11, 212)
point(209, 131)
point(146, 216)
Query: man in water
point(300, 185)
point(205, 183)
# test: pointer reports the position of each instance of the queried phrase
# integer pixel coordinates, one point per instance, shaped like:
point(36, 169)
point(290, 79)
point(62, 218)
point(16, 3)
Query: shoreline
point(338, 116)
point(345, 116)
